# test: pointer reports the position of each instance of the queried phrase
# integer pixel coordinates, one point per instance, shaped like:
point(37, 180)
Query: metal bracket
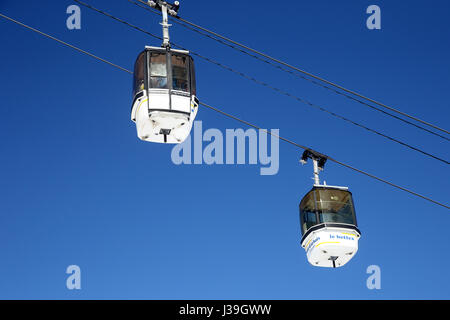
point(172, 8)
point(319, 161)
point(310, 154)
point(166, 9)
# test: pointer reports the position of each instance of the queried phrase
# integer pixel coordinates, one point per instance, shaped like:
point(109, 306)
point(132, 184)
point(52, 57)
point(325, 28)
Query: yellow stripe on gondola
point(308, 242)
point(326, 242)
point(140, 104)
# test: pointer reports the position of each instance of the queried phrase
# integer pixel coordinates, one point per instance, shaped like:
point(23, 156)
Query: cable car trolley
point(328, 221)
point(164, 88)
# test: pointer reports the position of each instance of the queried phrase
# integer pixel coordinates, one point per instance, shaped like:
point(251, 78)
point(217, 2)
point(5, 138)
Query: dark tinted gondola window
point(180, 73)
point(335, 206)
point(326, 206)
point(139, 74)
point(193, 80)
point(158, 71)
point(308, 212)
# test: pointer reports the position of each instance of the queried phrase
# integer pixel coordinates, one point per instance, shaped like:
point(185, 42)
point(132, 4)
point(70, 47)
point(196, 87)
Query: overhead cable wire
point(62, 42)
point(238, 119)
point(310, 80)
point(177, 19)
point(327, 157)
point(291, 72)
point(283, 92)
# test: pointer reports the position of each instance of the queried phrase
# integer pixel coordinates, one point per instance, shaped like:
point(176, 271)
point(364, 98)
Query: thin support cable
point(298, 99)
point(65, 43)
point(238, 119)
point(304, 72)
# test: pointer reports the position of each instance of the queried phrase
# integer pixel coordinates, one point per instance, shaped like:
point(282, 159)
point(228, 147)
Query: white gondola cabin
point(164, 95)
point(328, 224)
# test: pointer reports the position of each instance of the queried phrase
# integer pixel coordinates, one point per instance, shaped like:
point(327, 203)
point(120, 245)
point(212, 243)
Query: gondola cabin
point(328, 224)
point(164, 95)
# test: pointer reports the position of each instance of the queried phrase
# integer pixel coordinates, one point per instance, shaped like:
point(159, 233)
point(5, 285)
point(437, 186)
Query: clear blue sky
point(78, 187)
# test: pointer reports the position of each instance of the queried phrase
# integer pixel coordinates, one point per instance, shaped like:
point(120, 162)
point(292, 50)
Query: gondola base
point(163, 127)
point(331, 247)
